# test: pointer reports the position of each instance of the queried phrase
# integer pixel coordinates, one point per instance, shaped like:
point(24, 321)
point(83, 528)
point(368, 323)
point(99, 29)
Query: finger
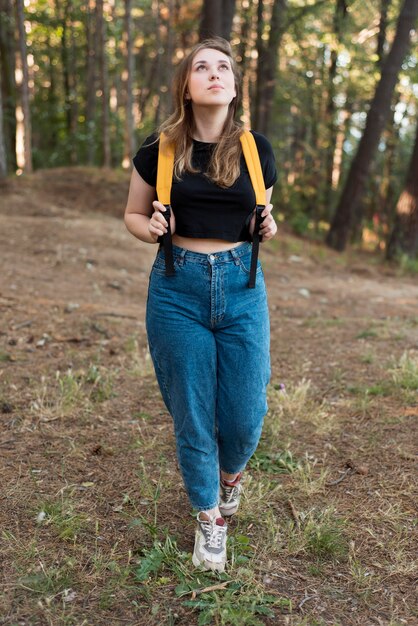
point(157, 230)
point(158, 206)
point(267, 210)
point(158, 217)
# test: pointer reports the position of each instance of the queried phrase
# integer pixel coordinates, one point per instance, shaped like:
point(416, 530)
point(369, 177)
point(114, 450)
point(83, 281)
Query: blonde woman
point(208, 332)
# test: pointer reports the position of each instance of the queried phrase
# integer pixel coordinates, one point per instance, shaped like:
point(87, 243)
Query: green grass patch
point(273, 462)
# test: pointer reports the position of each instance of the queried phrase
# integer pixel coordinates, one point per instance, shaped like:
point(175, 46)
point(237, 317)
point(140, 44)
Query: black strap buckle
point(256, 242)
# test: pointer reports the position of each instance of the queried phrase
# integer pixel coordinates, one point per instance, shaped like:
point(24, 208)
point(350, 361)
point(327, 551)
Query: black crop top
point(202, 208)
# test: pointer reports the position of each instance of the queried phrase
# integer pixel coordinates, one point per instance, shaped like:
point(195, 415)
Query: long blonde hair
point(224, 167)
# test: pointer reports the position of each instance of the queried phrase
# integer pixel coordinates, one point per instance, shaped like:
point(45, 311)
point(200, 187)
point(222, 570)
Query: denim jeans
point(209, 338)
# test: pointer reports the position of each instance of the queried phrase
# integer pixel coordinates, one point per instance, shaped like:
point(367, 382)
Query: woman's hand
point(158, 224)
point(268, 227)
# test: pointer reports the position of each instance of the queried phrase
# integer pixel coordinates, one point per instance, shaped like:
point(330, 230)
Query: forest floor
point(94, 520)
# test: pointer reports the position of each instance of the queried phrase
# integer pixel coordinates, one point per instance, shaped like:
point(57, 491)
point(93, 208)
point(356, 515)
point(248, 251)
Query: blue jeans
point(209, 338)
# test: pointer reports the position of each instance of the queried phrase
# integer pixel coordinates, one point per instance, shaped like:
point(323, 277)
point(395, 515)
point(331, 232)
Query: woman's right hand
point(158, 224)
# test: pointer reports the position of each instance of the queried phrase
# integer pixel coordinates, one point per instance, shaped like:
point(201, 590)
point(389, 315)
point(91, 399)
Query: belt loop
point(234, 255)
point(182, 256)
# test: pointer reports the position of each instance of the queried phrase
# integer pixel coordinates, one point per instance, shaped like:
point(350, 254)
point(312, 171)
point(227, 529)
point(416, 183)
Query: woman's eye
point(224, 65)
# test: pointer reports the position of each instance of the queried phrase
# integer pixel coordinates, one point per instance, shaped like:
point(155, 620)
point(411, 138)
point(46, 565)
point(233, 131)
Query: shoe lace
point(230, 492)
point(214, 533)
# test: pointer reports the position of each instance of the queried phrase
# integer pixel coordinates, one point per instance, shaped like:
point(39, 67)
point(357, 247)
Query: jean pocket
point(159, 265)
point(245, 265)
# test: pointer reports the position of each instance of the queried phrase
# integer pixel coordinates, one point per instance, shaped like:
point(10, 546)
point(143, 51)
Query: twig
point(294, 513)
point(197, 592)
point(305, 599)
point(23, 324)
point(348, 471)
point(3, 443)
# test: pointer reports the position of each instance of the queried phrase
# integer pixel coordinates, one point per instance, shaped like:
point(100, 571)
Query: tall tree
point(8, 80)
point(104, 83)
point(217, 17)
point(381, 35)
point(404, 236)
point(340, 15)
point(129, 70)
point(268, 52)
point(376, 119)
point(24, 87)
point(91, 45)
point(3, 160)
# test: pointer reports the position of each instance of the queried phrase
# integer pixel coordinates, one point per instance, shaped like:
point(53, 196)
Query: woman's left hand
point(268, 226)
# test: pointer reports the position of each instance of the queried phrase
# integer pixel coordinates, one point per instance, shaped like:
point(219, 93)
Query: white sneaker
point(229, 496)
point(210, 543)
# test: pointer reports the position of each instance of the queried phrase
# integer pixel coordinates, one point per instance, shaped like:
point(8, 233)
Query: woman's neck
point(208, 124)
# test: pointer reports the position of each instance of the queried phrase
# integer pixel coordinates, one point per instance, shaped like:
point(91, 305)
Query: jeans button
point(212, 257)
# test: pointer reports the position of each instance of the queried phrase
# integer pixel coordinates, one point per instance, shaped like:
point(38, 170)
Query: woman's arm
point(143, 217)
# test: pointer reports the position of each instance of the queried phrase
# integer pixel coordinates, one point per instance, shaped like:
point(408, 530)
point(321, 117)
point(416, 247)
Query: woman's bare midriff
point(206, 246)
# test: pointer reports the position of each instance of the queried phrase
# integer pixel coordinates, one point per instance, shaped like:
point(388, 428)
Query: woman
point(208, 333)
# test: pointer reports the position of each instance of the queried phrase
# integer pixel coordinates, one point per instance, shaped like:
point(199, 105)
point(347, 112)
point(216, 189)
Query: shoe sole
point(228, 512)
point(208, 565)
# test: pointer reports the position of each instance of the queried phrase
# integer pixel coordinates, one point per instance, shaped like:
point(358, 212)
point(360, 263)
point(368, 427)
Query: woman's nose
point(214, 73)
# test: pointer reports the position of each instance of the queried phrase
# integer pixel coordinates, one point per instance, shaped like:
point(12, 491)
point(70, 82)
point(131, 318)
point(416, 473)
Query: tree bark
point(91, 43)
point(339, 18)
point(217, 18)
point(129, 64)
point(24, 90)
point(404, 236)
point(3, 159)
point(104, 84)
point(381, 36)
point(8, 82)
point(267, 63)
point(376, 119)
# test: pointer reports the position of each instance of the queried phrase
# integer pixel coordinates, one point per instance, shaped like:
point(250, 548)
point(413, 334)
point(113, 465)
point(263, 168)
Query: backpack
point(163, 187)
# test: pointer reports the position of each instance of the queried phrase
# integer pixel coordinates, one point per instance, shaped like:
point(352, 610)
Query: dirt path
point(83, 424)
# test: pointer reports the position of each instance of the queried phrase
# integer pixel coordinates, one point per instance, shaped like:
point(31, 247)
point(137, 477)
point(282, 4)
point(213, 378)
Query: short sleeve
point(146, 159)
point(267, 159)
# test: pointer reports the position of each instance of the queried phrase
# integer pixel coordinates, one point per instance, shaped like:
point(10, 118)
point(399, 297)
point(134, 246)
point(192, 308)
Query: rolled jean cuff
point(205, 507)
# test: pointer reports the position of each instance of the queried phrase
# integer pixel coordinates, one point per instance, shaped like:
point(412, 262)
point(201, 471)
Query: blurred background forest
point(333, 84)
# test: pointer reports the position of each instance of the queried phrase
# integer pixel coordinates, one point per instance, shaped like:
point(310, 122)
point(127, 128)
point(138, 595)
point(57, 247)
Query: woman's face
point(211, 79)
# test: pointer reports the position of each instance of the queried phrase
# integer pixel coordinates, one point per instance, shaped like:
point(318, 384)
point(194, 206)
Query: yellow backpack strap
point(252, 159)
point(164, 181)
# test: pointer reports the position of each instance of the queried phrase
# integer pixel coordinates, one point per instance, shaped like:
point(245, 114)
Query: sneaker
point(210, 543)
point(230, 494)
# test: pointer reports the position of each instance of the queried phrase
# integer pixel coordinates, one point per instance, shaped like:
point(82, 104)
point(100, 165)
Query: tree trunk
point(267, 64)
point(104, 86)
point(381, 36)
point(91, 42)
point(217, 18)
point(339, 18)
point(129, 60)
point(376, 119)
point(3, 160)
point(8, 82)
point(24, 89)
point(404, 236)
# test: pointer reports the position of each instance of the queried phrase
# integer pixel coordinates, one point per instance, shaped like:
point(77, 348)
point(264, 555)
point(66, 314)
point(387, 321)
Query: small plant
point(273, 462)
point(102, 384)
point(61, 515)
point(405, 372)
point(324, 536)
point(369, 333)
point(70, 387)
